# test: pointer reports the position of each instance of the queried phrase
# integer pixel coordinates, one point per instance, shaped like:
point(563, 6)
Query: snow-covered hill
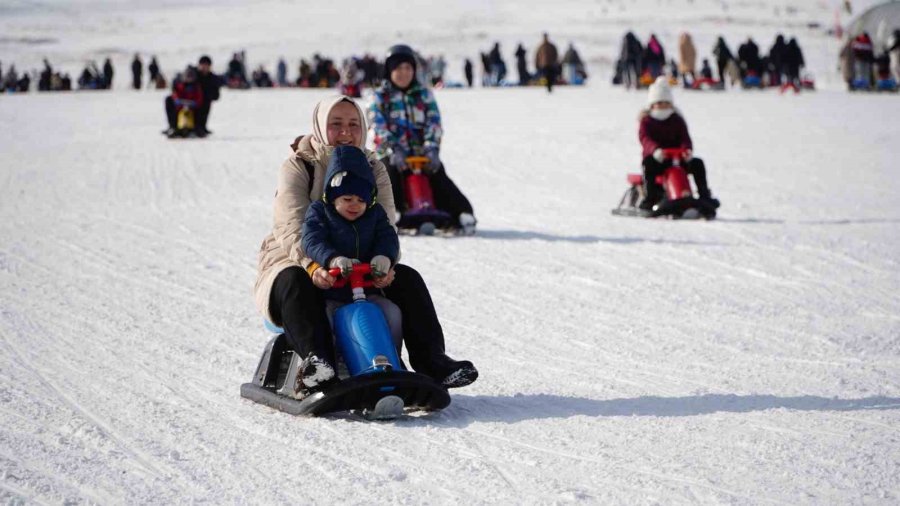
point(752, 359)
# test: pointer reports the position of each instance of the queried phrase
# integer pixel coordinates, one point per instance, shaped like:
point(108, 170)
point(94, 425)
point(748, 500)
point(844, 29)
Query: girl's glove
point(434, 162)
point(658, 155)
point(380, 265)
point(398, 160)
point(342, 263)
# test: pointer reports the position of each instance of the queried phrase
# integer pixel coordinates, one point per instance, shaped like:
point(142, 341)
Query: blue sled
point(378, 385)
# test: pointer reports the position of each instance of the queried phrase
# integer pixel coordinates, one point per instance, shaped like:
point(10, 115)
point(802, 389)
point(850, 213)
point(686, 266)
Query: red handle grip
point(357, 277)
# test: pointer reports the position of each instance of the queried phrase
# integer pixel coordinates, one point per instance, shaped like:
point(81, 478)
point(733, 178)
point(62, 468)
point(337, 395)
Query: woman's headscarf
point(320, 123)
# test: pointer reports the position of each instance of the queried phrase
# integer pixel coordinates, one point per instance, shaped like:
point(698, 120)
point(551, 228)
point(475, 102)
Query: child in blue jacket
point(347, 226)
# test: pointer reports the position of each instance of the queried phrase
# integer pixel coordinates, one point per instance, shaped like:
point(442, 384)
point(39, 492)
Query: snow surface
point(752, 359)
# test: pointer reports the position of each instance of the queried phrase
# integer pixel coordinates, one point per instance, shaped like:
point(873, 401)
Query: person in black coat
point(630, 56)
point(210, 83)
point(723, 56)
point(522, 66)
point(107, 74)
point(748, 57)
point(153, 69)
point(793, 62)
point(467, 68)
point(137, 70)
point(777, 56)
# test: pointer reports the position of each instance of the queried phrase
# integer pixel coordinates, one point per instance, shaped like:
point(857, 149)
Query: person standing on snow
point(630, 56)
point(107, 74)
point(288, 283)
point(687, 58)
point(792, 62)
point(467, 69)
point(522, 66)
point(210, 83)
point(546, 62)
point(662, 126)
point(137, 70)
point(572, 65)
point(863, 52)
point(654, 57)
point(723, 57)
point(405, 121)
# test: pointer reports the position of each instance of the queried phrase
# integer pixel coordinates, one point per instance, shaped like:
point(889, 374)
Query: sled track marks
point(150, 465)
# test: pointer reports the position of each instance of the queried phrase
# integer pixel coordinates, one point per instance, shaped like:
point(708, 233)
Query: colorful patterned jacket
point(409, 121)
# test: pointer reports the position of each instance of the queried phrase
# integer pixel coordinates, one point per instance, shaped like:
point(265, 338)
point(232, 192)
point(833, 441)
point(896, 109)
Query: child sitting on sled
point(347, 226)
point(662, 127)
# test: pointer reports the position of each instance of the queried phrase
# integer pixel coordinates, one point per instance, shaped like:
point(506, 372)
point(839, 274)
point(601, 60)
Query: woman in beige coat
point(289, 285)
point(687, 57)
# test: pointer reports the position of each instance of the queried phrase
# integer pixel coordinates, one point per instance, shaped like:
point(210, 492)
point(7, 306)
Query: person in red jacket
point(661, 127)
point(185, 93)
point(863, 57)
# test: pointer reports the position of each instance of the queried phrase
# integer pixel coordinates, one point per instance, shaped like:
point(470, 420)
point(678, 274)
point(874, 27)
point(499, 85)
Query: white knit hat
point(660, 92)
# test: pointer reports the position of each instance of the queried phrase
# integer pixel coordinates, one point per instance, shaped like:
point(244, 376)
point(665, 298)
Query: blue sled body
point(364, 339)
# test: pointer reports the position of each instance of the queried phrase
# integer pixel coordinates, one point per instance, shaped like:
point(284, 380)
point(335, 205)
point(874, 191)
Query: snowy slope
point(753, 359)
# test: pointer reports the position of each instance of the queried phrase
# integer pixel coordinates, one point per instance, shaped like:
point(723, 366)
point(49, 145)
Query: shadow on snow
point(524, 235)
point(517, 408)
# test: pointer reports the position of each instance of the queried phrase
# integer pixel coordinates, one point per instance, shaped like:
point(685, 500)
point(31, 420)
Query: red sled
point(421, 215)
point(678, 202)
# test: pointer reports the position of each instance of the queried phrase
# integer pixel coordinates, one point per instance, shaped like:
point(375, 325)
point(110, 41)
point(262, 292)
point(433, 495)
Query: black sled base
point(380, 395)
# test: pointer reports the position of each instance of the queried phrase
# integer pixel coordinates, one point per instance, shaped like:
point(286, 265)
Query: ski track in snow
point(752, 359)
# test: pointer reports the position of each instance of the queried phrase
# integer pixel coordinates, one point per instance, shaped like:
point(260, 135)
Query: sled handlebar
point(676, 155)
point(357, 278)
point(417, 162)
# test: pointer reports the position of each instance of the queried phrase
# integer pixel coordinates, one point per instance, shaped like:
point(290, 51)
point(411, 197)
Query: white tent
point(879, 21)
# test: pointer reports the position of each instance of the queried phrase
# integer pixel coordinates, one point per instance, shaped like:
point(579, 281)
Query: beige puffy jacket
point(687, 54)
point(281, 248)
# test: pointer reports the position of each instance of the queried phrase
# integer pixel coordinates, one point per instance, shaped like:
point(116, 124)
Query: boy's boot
point(313, 375)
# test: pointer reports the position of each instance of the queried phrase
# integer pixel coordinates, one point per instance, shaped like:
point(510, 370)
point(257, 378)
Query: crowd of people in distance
point(550, 69)
point(639, 65)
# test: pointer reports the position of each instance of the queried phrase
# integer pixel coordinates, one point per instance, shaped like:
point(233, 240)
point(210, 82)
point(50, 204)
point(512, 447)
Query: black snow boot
point(453, 373)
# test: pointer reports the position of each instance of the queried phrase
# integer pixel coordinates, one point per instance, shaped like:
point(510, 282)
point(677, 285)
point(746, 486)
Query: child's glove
point(658, 155)
point(398, 160)
point(342, 263)
point(380, 266)
point(434, 162)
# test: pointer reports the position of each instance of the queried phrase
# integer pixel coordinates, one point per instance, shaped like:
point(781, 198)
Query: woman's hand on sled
point(384, 281)
point(322, 279)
